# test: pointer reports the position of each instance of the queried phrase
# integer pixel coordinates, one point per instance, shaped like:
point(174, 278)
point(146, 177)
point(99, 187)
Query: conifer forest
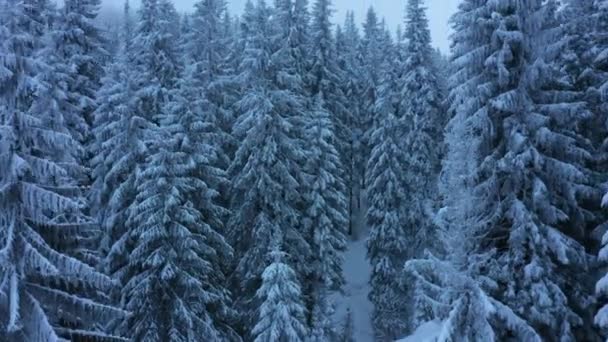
point(284, 174)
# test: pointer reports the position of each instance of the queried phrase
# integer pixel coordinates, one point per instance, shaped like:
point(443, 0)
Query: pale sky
point(439, 11)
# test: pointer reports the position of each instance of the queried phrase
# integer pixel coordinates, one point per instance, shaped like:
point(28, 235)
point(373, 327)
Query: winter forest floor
point(356, 273)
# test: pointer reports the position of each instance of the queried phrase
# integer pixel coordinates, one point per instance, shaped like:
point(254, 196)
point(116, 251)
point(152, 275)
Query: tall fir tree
point(107, 146)
point(591, 49)
point(583, 59)
point(266, 170)
point(45, 294)
point(388, 241)
point(126, 127)
point(302, 38)
point(347, 48)
point(76, 51)
point(175, 291)
point(207, 48)
point(207, 51)
point(326, 79)
point(325, 218)
point(371, 59)
point(187, 111)
point(281, 314)
point(421, 113)
point(529, 178)
point(80, 45)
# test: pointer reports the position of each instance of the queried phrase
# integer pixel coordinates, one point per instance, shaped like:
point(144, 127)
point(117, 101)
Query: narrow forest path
point(356, 273)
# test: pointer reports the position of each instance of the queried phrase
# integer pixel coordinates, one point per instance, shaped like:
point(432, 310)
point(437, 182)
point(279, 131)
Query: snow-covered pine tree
point(325, 216)
point(185, 30)
point(208, 49)
point(455, 289)
point(473, 315)
point(266, 170)
point(326, 80)
point(290, 78)
point(349, 63)
point(128, 29)
point(442, 66)
point(43, 292)
point(154, 56)
point(249, 254)
point(579, 47)
point(584, 59)
point(596, 81)
point(526, 177)
point(125, 127)
point(535, 171)
point(281, 313)
point(111, 115)
point(463, 304)
point(79, 44)
point(176, 291)
point(74, 54)
point(323, 326)
point(170, 19)
point(420, 111)
point(231, 32)
point(388, 241)
point(531, 163)
point(189, 110)
point(292, 42)
point(371, 60)
point(244, 32)
point(302, 38)
point(420, 104)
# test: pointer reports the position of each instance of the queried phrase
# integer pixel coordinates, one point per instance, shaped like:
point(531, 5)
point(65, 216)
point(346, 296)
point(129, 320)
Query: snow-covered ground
point(356, 272)
point(428, 332)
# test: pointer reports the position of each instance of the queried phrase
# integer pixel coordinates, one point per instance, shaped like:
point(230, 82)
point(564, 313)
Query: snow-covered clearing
point(356, 272)
point(428, 332)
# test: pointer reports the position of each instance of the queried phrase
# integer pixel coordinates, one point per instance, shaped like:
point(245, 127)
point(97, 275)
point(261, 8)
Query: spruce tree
point(302, 37)
point(530, 162)
point(187, 119)
point(326, 79)
point(266, 170)
point(45, 294)
point(110, 117)
point(388, 241)
point(370, 57)
point(281, 313)
point(350, 70)
point(175, 289)
point(583, 59)
point(420, 112)
point(542, 156)
point(79, 44)
point(593, 70)
point(325, 216)
point(127, 125)
point(207, 48)
point(207, 53)
point(75, 53)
